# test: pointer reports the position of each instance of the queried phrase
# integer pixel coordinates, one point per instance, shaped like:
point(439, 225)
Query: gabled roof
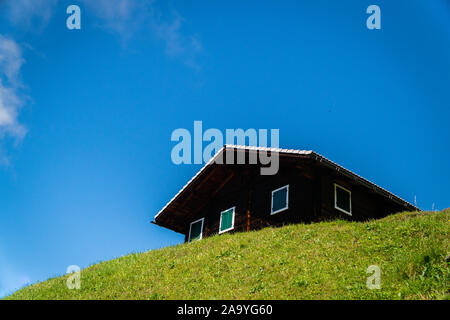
point(292, 152)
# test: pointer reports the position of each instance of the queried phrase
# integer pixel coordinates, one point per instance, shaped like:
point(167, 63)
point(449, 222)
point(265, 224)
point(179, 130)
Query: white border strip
point(201, 232)
point(232, 220)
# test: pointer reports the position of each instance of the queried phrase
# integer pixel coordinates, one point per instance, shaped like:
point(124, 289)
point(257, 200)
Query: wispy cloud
point(10, 99)
point(30, 13)
point(121, 16)
point(124, 17)
point(128, 16)
point(176, 44)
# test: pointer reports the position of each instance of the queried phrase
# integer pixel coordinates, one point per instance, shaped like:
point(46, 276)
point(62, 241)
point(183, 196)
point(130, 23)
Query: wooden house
point(229, 197)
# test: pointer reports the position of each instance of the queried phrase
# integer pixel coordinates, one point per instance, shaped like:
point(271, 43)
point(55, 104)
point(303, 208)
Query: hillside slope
point(326, 260)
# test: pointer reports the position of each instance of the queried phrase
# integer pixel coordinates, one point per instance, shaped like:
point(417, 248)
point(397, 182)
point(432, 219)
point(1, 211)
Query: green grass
point(326, 260)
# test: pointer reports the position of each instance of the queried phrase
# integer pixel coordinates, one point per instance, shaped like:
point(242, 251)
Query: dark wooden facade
point(311, 179)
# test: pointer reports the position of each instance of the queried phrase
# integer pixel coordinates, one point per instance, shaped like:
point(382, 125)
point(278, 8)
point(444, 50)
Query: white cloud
point(127, 16)
point(10, 100)
point(25, 12)
point(124, 17)
point(177, 45)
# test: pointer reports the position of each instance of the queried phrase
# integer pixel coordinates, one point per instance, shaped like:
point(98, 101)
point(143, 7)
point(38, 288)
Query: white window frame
point(335, 199)
point(232, 221)
point(287, 200)
point(190, 228)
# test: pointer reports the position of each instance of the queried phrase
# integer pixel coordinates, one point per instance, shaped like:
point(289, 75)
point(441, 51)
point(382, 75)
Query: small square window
point(342, 199)
point(280, 199)
point(226, 220)
point(196, 230)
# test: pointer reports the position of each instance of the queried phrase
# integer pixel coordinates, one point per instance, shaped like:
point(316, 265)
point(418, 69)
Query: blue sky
point(86, 115)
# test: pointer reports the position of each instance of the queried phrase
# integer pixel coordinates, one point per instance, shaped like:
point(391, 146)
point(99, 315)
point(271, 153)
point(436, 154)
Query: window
point(280, 199)
point(226, 220)
point(196, 230)
point(342, 199)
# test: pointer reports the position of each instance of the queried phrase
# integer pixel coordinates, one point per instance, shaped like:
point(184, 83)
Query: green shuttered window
point(342, 199)
point(196, 230)
point(226, 220)
point(280, 199)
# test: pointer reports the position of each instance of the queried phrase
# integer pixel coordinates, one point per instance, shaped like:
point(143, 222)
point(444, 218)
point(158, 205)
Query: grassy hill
point(326, 260)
